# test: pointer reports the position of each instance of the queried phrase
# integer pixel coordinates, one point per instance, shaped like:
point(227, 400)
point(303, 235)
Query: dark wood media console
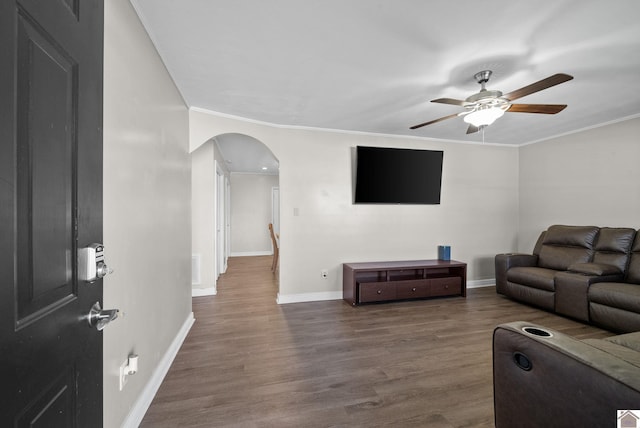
point(383, 281)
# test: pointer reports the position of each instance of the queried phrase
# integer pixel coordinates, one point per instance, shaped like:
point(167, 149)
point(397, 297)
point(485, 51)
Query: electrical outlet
point(123, 374)
point(324, 273)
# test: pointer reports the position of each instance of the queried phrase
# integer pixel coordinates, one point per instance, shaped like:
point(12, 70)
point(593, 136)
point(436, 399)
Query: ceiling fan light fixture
point(484, 116)
point(486, 106)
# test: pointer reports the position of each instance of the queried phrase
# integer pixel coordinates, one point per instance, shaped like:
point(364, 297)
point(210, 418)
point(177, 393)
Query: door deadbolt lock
point(91, 265)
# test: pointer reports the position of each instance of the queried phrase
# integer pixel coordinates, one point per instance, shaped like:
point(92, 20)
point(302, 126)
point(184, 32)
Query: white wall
point(203, 212)
point(251, 213)
point(321, 228)
point(587, 178)
point(147, 215)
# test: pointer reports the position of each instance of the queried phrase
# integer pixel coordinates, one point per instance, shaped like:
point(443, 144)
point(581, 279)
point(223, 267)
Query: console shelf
point(384, 281)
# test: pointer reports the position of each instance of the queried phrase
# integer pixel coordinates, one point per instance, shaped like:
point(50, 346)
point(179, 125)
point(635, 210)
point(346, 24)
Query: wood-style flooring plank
point(249, 362)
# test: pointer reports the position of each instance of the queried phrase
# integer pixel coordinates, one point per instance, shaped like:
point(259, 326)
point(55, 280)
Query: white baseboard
point(140, 407)
point(481, 283)
point(199, 292)
point(308, 297)
point(251, 253)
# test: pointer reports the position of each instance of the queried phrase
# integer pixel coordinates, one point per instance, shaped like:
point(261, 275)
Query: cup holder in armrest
point(535, 331)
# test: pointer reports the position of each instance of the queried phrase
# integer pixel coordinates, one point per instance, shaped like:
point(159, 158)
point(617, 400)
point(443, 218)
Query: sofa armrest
point(557, 380)
point(504, 262)
point(572, 289)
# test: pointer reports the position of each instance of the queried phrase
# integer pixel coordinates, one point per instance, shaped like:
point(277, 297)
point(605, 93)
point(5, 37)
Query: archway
point(239, 165)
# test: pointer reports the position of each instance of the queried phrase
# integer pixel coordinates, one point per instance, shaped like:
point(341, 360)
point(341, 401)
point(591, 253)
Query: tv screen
point(397, 176)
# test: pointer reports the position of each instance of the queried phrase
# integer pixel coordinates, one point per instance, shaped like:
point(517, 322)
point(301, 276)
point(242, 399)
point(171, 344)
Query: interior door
point(50, 207)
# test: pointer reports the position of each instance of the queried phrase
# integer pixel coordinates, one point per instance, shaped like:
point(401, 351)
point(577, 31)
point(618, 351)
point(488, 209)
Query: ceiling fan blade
point(556, 79)
point(537, 108)
point(472, 128)
point(450, 101)
point(434, 121)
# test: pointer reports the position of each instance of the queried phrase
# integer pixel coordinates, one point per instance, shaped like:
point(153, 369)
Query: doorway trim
point(221, 222)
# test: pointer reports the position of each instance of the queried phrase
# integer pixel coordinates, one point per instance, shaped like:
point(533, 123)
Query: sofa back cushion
point(613, 246)
point(633, 271)
point(538, 247)
point(563, 246)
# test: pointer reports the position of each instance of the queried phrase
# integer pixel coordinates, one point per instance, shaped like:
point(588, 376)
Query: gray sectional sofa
point(588, 273)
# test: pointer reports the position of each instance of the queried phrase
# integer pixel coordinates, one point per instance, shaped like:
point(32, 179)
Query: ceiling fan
point(483, 108)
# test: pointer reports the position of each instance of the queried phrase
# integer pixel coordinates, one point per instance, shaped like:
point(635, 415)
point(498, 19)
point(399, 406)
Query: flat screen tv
point(397, 176)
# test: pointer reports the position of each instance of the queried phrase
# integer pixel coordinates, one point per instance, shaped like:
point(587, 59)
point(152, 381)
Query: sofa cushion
point(619, 351)
point(598, 269)
point(633, 271)
point(560, 258)
point(613, 245)
point(613, 319)
point(573, 236)
point(538, 246)
point(616, 294)
point(629, 340)
point(615, 239)
point(536, 277)
point(563, 246)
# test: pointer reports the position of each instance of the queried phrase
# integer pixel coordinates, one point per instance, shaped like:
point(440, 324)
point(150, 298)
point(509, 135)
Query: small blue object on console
point(444, 252)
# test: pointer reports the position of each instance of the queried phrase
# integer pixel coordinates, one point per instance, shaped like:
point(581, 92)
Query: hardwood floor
point(249, 362)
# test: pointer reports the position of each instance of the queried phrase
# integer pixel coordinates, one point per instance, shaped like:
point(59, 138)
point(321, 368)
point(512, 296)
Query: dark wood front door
point(50, 206)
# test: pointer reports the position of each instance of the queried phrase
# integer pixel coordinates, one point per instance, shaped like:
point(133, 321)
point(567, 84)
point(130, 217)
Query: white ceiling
point(373, 65)
point(245, 154)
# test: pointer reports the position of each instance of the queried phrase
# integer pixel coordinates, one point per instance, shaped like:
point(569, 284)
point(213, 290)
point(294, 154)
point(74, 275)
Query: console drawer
point(446, 286)
point(373, 282)
point(376, 291)
point(412, 289)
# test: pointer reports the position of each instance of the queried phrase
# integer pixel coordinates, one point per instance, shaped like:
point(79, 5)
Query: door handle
point(99, 318)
